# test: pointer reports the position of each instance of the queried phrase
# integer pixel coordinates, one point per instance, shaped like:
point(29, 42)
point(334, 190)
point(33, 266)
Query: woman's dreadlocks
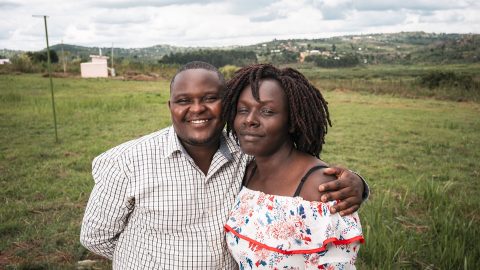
point(308, 111)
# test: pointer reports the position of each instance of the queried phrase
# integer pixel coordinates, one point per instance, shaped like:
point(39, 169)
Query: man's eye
point(211, 99)
point(183, 101)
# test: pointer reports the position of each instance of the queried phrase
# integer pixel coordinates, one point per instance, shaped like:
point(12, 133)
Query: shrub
point(228, 71)
point(22, 63)
point(437, 79)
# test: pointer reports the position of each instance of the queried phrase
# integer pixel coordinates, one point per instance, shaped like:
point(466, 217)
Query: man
point(160, 201)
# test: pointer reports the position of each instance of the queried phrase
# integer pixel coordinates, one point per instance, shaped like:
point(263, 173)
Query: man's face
point(196, 107)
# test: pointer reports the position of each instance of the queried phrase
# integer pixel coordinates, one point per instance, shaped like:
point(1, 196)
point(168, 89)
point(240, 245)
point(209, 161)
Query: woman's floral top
point(278, 232)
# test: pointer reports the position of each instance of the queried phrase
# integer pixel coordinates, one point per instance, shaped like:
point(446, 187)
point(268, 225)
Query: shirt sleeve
point(108, 208)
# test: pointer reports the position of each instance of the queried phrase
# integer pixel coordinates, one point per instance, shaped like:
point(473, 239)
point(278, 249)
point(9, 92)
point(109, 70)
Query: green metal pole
point(51, 81)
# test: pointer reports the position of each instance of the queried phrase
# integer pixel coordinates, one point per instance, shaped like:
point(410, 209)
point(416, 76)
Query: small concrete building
point(4, 61)
point(95, 69)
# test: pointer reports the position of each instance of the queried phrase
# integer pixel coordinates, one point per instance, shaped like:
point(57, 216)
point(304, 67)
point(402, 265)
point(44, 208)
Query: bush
point(22, 63)
point(228, 71)
point(437, 79)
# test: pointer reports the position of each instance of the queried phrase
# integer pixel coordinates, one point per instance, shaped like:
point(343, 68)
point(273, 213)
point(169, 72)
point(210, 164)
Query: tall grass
point(447, 82)
point(420, 157)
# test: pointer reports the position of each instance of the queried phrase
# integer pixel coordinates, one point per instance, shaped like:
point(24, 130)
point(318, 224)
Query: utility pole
point(63, 61)
point(112, 56)
point(50, 75)
point(112, 70)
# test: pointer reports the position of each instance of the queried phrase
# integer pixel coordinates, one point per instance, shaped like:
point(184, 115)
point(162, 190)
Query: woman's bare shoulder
point(309, 190)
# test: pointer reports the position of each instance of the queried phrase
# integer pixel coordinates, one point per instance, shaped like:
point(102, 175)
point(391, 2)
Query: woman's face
point(262, 127)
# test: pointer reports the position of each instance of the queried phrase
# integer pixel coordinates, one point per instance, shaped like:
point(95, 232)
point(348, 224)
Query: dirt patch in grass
point(13, 254)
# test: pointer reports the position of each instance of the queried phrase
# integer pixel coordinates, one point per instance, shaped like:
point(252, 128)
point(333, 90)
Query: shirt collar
point(227, 145)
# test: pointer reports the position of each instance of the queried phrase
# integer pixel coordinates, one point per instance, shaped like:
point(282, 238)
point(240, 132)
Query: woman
point(278, 221)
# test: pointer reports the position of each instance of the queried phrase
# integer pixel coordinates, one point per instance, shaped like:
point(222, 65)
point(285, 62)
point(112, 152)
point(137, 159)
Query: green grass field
point(420, 157)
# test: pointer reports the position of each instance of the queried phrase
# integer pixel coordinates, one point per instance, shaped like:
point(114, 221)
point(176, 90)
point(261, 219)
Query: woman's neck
point(271, 164)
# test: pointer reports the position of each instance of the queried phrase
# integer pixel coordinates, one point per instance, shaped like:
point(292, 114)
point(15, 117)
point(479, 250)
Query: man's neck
point(202, 155)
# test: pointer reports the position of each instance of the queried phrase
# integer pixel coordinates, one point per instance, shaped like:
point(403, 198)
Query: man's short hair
point(198, 65)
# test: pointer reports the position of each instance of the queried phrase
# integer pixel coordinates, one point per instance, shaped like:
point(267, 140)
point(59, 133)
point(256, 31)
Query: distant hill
point(395, 48)
point(404, 47)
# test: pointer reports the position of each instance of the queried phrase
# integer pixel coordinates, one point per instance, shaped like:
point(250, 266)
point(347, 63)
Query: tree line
point(218, 58)
point(348, 60)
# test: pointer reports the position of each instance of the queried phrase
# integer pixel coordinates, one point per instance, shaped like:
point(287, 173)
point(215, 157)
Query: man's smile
point(198, 121)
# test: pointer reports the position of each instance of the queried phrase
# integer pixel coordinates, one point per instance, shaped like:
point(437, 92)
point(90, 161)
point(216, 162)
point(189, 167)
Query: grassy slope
point(420, 157)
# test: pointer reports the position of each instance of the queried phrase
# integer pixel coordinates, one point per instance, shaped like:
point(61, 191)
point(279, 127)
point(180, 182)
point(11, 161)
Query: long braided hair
point(308, 112)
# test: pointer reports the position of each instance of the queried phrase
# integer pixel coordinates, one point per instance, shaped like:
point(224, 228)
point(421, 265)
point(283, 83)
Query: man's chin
point(201, 141)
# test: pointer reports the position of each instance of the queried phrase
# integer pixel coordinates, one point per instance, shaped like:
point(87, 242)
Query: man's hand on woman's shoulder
point(348, 188)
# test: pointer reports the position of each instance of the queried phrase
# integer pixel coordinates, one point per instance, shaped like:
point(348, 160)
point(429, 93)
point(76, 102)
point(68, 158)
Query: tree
point(41, 56)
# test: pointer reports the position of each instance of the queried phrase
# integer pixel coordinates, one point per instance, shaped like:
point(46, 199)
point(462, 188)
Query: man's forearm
point(366, 189)
point(99, 245)
point(108, 208)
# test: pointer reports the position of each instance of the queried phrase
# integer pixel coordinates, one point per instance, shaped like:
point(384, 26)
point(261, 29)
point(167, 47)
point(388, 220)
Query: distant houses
point(314, 52)
point(97, 68)
point(4, 61)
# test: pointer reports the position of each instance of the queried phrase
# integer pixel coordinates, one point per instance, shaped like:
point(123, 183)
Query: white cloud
point(382, 18)
point(8, 4)
point(122, 16)
point(144, 23)
point(408, 4)
point(125, 4)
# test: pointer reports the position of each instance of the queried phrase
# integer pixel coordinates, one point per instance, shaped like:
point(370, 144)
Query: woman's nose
point(251, 120)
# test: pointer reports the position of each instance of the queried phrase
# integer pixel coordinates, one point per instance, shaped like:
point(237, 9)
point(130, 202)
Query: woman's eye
point(242, 110)
point(267, 112)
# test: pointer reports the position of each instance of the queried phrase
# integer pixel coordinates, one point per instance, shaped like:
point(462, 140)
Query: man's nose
point(197, 107)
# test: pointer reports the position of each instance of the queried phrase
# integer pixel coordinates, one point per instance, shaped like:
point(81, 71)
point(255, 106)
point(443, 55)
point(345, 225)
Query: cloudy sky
point(143, 23)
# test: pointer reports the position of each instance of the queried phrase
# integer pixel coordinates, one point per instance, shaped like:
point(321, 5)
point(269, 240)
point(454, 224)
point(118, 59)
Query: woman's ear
point(291, 129)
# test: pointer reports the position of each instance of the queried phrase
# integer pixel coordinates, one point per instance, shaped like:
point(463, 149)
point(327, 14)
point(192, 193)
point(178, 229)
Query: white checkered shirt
point(153, 208)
